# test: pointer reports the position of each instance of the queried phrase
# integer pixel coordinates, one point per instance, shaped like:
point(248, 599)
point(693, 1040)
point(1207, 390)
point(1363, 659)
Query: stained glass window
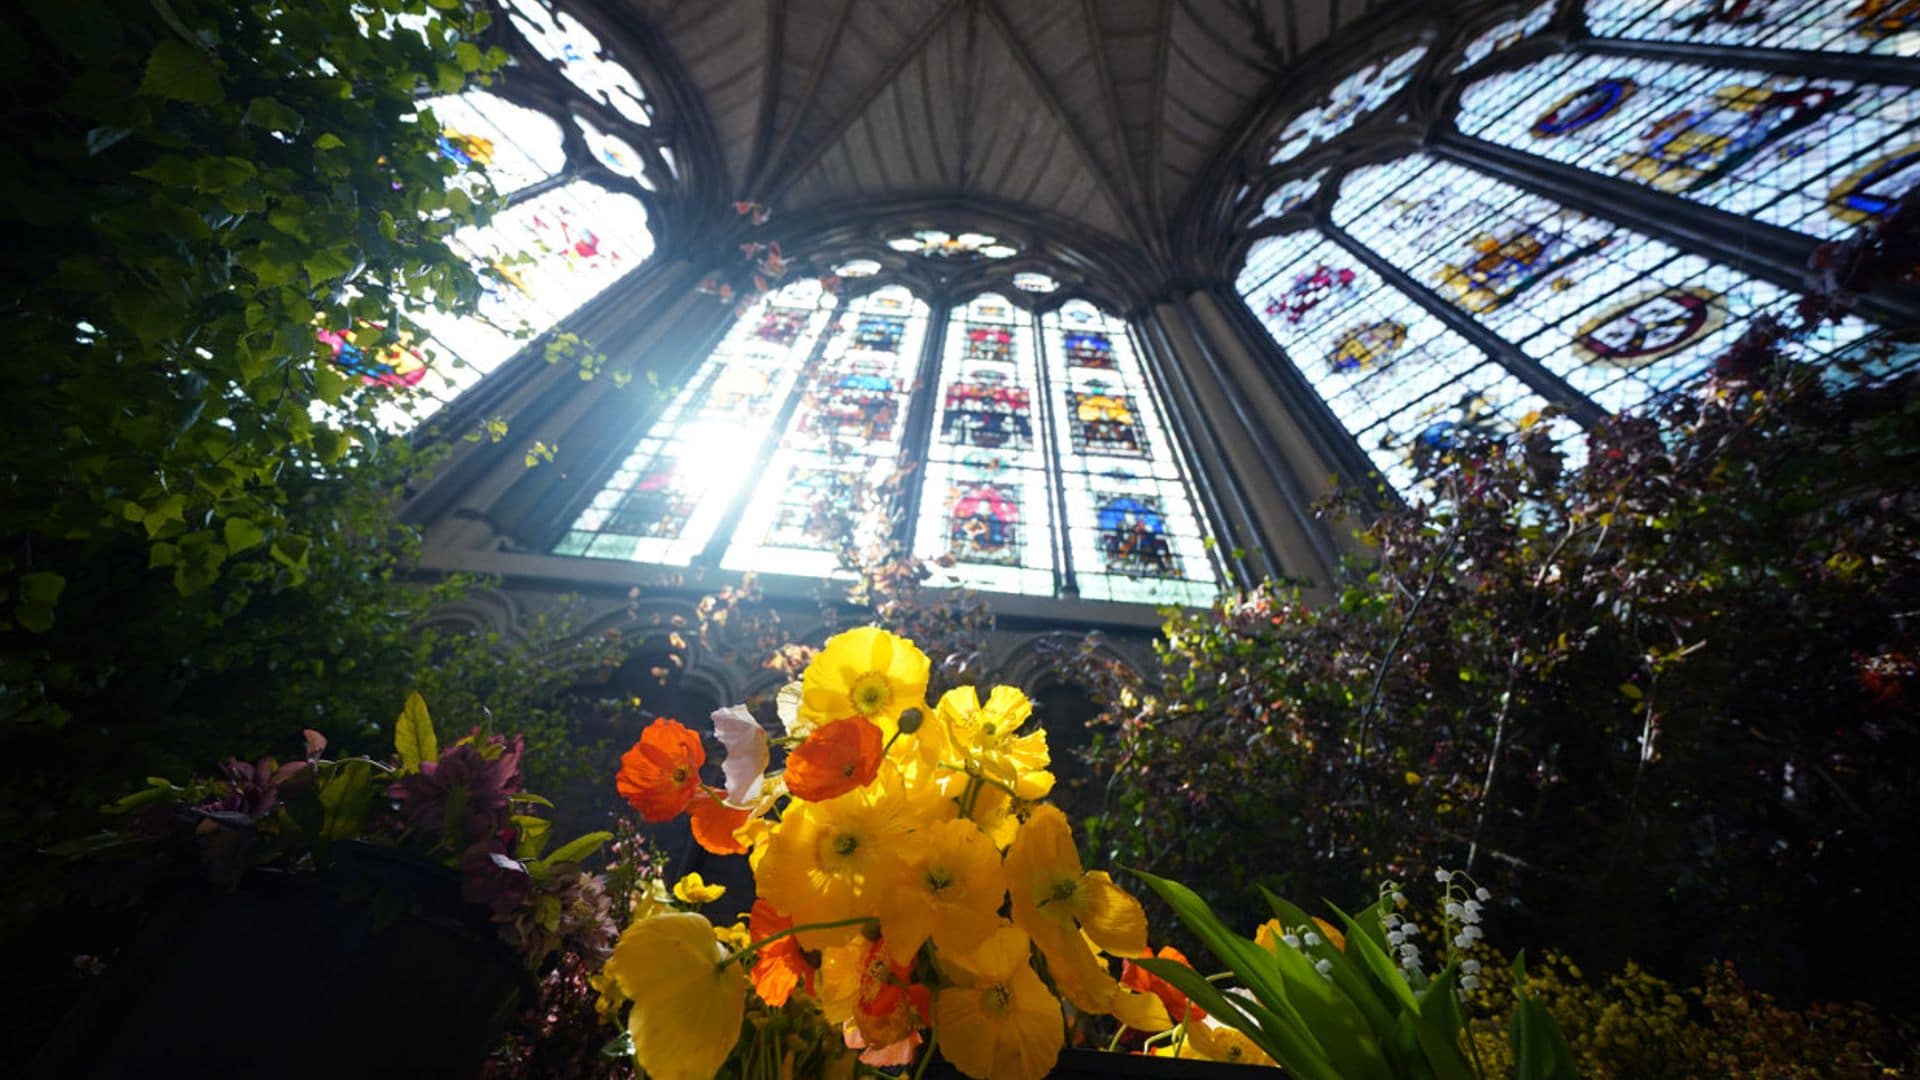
point(668, 497)
point(1620, 316)
point(549, 254)
point(560, 38)
point(1505, 35)
point(857, 268)
point(1290, 196)
point(1029, 281)
point(1819, 156)
point(826, 482)
point(1351, 101)
point(615, 153)
point(985, 500)
point(935, 244)
point(1856, 26)
point(1131, 527)
point(1407, 387)
point(516, 146)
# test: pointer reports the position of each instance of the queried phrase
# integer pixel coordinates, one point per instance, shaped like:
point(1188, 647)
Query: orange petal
point(780, 968)
point(660, 774)
point(714, 823)
point(838, 757)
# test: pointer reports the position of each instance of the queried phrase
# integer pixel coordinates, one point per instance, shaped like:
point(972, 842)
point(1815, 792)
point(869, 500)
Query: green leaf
point(274, 115)
point(468, 56)
point(328, 141)
point(1540, 1051)
point(448, 78)
point(413, 737)
point(346, 797)
point(530, 835)
point(577, 849)
point(42, 587)
point(220, 173)
point(242, 534)
point(179, 72)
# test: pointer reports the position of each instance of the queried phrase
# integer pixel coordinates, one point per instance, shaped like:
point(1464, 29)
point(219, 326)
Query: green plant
point(1334, 1010)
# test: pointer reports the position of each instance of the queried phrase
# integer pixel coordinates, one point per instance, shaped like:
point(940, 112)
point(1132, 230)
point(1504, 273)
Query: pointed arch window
point(1505, 35)
point(1351, 101)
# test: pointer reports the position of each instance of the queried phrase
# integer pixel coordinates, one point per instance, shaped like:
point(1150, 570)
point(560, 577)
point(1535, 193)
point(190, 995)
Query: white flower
point(1399, 899)
point(1396, 938)
point(1461, 940)
point(1471, 967)
point(1482, 894)
point(746, 744)
point(1454, 910)
point(1473, 933)
point(1291, 939)
point(1324, 967)
point(1410, 951)
point(1312, 938)
point(1472, 907)
point(1410, 930)
point(1392, 921)
point(1469, 982)
point(1443, 876)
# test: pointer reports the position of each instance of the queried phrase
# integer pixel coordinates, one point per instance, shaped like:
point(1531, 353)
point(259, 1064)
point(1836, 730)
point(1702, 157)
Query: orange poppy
point(780, 968)
point(714, 823)
point(836, 758)
point(1147, 982)
point(660, 775)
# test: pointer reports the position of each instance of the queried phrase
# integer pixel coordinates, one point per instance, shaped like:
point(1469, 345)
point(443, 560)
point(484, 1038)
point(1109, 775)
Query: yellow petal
point(686, 1007)
point(1111, 916)
point(692, 890)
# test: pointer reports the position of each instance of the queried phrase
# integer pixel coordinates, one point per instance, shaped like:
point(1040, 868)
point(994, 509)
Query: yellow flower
point(822, 861)
point(733, 938)
point(692, 890)
point(864, 672)
point(650, 899)
point(687, 1007)
point(1217, 1042)
point(989, 735)
point(948, 885)
point(1054, 900)
point(999, 1021)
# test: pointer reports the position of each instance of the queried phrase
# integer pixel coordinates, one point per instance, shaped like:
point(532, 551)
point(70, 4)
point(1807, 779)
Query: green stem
point(748, 952)
point(891, 739)
point(933, 1041)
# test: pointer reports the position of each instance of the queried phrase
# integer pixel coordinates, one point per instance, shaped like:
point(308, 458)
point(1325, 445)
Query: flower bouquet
point(914, 896)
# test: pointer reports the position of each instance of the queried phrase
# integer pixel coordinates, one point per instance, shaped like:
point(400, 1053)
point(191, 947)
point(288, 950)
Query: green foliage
point(195, 186)
point(1332, 1010)
point(1667, 701)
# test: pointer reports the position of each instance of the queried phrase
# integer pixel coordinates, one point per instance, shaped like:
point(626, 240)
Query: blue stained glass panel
point(1854, 26)
point(515, 145)
point(1290, 196)
point(1818, 156)
point(1130, 522)
point(665, 500)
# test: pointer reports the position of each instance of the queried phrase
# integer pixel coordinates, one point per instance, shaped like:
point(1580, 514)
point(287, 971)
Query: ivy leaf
point(39, 592)
point(179, 72)
point(242, 534)
point(272, 114)
point(413, 737)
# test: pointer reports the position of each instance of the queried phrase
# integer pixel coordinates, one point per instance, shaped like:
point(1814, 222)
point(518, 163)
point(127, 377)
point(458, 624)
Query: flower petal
point(747, 752)
point(686, 1007)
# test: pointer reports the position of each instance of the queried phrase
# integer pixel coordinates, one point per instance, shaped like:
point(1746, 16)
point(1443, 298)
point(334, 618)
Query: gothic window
point(1814, 155)
point(1353, 100)
point(1290, 196)
point(1854, 26)
point(579, 55)
point(1406, 387)
point(666, 500)
point(935, 244)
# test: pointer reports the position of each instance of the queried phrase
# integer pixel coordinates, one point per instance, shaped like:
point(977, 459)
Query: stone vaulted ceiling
point(1100, 111)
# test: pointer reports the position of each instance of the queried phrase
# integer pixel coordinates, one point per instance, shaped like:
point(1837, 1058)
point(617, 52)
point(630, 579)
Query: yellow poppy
point(948, 885)
point(999, 1020)
point(989, 735)
point(693, 890)
point(822, 861)
point(864, 672)
point(1217, 1042)
point(1054, 900)
point(687, 1007)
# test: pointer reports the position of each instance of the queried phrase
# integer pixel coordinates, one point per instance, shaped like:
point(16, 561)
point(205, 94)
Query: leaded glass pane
point(1130, 521)
point(1819, 156)
point(1290, 196)
point(560, 38)
point(1351, 101)
point(984, 502)
point(828, 481)
point(1506, 34)
point(1619, 315)
point(516, 146)
point(548, 255)
point(1855, 26)
point(1395, 376)
point(666, 499)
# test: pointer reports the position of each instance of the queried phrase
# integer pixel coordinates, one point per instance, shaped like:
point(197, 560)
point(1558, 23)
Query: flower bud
point(910, 721)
